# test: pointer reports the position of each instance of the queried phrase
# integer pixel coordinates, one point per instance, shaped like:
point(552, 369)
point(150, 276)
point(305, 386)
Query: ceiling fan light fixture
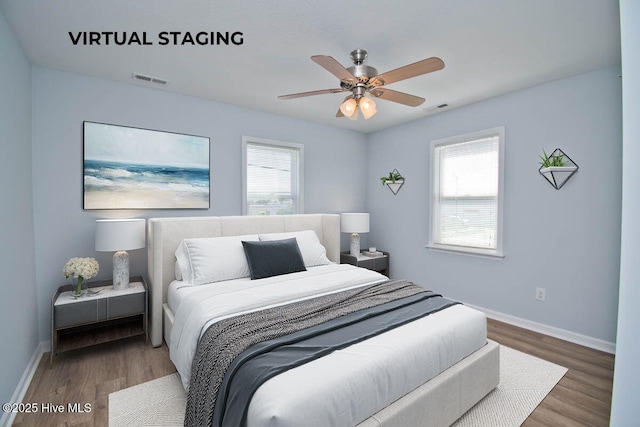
point(349, 107)
point(355, 114)
point(369, 114)
point(368, 107)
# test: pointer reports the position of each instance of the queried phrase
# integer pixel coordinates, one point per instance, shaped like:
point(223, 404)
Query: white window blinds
point(465, 198)
point(272, 179)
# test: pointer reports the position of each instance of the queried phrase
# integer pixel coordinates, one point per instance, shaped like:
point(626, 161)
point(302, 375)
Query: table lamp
point(354, 223)
point(120, 235)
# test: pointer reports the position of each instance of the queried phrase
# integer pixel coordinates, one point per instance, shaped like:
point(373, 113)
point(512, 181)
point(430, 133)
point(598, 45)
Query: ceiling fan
point(360, 79)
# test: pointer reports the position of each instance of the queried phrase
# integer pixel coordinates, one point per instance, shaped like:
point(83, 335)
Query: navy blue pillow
point(273, 257)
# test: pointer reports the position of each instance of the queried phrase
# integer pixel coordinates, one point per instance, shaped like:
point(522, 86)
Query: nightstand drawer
point(80, 313)
point(367, 263)
point(378, 263)
point(126, 305)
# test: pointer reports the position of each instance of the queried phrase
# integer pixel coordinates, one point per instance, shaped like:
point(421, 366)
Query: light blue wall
point(626, 382)
point(18, 313)
point(566, 241)
point(335, 162)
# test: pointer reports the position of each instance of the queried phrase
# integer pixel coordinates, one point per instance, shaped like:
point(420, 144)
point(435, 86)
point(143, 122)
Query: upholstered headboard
point(165, 234)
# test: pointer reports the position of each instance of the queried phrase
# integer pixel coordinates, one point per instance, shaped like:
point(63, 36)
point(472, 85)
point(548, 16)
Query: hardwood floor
point(581, 398)
point(583, 395)
point(88, 375)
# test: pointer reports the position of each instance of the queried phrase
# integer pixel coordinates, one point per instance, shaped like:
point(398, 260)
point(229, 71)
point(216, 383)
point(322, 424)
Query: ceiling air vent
point(433, 108)
point(150, 79)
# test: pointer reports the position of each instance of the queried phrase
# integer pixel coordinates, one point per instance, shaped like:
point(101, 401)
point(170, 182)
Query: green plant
point(393, 177)
point(552, 160)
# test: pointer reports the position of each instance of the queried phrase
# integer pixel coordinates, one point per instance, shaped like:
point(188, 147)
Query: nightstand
point(377, 263)
point(104, 316)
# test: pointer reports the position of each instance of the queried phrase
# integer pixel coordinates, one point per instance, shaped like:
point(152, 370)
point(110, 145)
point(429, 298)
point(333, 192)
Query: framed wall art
point(133, 168)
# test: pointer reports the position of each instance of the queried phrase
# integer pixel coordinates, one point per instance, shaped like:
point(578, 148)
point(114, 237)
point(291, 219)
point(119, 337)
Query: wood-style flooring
point(581, 398)
point(583, 395)
point(88, 375)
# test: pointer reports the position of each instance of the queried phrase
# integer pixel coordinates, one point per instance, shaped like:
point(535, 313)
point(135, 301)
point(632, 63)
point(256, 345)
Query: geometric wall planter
point(559, 175)
point(395, 186)
point(394, 181)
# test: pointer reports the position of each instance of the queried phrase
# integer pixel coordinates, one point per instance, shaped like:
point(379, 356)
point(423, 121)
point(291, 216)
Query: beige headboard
point(165, 234)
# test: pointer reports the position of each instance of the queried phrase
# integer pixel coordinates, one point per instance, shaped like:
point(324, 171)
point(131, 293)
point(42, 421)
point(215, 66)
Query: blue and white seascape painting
point(131, 168)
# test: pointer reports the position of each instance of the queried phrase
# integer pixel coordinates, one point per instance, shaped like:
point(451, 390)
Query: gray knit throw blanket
point(225, 340)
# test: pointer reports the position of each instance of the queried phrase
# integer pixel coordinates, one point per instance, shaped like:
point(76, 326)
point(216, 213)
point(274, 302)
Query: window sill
point(479, 253)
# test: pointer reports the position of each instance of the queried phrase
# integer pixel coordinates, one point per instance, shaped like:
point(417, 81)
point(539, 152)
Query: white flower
point(81, 267)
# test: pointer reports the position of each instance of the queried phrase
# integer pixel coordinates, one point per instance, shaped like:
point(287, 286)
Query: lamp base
point(355, 245)
point(121, 270)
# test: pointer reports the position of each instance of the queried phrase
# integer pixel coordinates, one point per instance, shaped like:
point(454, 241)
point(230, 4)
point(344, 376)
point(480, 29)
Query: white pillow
point(214, 259)
point(313, 253)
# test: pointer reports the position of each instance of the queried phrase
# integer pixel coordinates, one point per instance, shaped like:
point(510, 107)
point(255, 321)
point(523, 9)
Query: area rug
point(524, 382)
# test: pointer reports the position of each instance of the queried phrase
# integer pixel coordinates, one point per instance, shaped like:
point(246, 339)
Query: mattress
point(347, 386)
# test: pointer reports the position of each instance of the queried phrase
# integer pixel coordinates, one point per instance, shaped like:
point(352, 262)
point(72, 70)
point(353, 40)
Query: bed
point(400, 383)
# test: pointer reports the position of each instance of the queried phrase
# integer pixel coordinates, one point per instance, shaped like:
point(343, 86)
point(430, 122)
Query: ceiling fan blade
point(313, 92)
point(395, 96)
point(334, 67)
point(425, 66)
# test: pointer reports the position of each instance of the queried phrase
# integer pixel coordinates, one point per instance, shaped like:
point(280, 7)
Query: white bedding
point(347, 386)
point(216, 301)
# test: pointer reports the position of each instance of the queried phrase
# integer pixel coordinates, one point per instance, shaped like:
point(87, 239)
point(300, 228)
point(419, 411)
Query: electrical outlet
point(541, 294)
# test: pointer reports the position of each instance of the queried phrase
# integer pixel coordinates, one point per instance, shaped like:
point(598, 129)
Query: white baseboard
point(563, 334)
point(43, 347)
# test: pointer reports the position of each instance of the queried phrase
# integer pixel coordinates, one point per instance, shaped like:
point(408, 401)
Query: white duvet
point(347, 386)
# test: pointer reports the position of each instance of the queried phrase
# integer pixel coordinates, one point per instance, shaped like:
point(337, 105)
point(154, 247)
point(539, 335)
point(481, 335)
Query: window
point(466, 193)
point(272, 178)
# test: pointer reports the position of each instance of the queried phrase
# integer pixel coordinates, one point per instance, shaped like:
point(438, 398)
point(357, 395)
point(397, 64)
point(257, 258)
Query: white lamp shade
point(354, 222)
point(119, 234)
point(348, 107)
point(368, 107)
point(354, 116)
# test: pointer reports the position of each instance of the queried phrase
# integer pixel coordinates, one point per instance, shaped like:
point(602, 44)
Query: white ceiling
point(490, 47)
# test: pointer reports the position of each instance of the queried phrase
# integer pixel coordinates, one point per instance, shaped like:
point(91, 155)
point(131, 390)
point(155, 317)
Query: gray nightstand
point(377, 263)
point(106, 316)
